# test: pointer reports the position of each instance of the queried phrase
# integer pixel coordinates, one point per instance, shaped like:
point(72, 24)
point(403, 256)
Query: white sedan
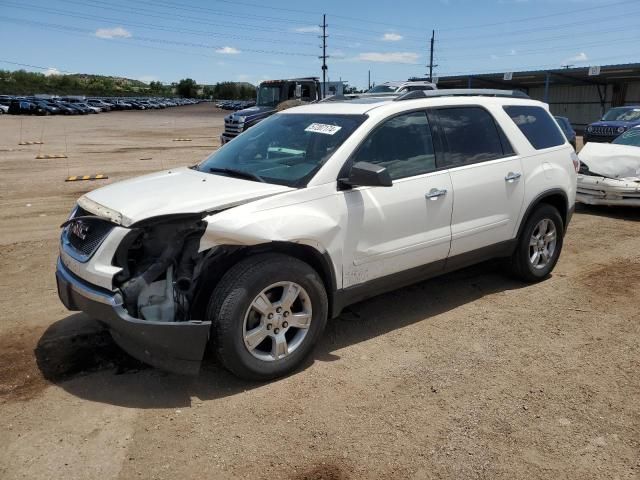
point(610, 172)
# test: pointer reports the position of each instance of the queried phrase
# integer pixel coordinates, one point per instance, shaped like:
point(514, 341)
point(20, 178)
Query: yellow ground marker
point(40, 157)
point(31, 143)
point(181, 139)
point(79, 178)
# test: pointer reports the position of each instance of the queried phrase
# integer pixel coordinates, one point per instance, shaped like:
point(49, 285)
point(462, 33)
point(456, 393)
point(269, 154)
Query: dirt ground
point(468, 376)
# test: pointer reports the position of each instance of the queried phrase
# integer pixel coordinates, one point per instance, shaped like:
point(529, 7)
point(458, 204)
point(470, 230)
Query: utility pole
point(431, 65)
point(369, 80)
point(324, 54)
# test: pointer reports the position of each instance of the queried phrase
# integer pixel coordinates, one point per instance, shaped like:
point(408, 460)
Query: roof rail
point(461, 92)
point(356, 96)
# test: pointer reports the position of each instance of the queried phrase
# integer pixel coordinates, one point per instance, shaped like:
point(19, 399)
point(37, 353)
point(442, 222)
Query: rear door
point(395, 229)
point(486, 175)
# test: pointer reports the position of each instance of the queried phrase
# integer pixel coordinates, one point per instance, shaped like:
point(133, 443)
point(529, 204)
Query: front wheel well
point(219, 264)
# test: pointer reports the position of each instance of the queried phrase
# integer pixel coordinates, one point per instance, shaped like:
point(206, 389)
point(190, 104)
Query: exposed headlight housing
point(241, 119)
point(589, 129)
point(621, 129)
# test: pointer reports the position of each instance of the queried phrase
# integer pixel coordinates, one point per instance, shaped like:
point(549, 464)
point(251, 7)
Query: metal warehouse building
point(581, 94)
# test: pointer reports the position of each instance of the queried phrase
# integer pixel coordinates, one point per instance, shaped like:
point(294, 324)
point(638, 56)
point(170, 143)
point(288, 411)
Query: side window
point(402, 144)
point(471, 135)
point(537, 125)
point(306, 92)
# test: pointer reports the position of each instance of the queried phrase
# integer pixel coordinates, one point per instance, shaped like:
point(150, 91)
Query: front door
point(394, 229)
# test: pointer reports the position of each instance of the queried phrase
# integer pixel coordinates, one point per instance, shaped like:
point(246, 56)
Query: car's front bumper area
point(172, 346)
point(596, 190)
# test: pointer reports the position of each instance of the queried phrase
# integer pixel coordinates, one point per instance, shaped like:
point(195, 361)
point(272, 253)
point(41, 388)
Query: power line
point(172, 17)
point(549, 49)
point(533, 30)
point(33, 66)
point(600, 32)
point(148, 39)
point(235, 3)
point(537, 17)
point(152, 26)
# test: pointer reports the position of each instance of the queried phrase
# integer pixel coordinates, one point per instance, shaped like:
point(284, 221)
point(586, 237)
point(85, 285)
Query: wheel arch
point(556, 198)
point(215, 269)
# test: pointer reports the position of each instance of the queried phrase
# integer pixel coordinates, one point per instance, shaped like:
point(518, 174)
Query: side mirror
point(365, 174)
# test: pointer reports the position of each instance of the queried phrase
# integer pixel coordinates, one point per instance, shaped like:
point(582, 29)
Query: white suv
point(311, 210)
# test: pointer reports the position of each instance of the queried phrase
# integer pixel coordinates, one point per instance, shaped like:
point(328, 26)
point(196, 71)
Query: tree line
point(21, 82)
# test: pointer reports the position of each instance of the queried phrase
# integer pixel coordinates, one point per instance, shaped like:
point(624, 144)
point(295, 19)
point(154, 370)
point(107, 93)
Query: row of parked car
point(83, 106)
point(235, 104)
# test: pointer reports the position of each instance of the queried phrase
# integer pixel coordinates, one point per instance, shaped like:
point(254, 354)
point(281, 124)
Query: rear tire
point(258, 331)
point(539, 245)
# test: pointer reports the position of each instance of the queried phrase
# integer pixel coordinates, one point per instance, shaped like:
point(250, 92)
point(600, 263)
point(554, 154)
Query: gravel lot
point(469, 376)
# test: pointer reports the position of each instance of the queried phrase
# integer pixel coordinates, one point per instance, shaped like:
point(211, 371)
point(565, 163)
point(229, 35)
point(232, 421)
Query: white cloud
point(581, 57)
point(228, 50)
point(116, 32)
point(51, 71)
point(308, 29)
point(388, 57)
point(391, 37)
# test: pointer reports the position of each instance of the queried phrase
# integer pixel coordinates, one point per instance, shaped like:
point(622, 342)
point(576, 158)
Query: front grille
point(94, 231)
point(605, 131)
point(85, 233)
point(232, 127)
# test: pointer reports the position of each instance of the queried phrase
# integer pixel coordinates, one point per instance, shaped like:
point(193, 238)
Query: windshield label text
point(323, 128)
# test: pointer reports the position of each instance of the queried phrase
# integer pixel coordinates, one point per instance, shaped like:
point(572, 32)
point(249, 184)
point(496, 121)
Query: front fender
point(310, 224)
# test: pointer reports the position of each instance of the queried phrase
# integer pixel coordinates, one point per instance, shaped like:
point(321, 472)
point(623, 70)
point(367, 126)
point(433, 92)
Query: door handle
point(511, 177)
point(434, 193)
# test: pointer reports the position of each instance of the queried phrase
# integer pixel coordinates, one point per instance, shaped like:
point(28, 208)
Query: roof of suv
point(360, 106)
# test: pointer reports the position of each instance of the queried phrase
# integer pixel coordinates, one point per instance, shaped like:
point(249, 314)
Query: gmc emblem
point(79, 229)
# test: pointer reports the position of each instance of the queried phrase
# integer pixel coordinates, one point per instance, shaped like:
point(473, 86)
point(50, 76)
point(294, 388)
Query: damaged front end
point(149, 307)
point(609, 176)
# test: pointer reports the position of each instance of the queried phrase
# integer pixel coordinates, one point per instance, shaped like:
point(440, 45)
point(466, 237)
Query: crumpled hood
point(611, 160)
point(176, 191)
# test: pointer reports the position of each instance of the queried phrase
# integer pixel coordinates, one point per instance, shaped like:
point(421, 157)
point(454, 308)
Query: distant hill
point(21, 82)
point(118, 81)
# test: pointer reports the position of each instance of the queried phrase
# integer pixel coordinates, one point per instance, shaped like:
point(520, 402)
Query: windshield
point(268, 95)
point(287, 149)
point(630, 137)
point(623, 114)
point(382, 89)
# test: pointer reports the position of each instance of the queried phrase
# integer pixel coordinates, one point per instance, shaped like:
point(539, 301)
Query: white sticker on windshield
point(323, 128)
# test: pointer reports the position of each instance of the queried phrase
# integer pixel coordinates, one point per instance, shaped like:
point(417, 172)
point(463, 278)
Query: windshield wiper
point(237, 173)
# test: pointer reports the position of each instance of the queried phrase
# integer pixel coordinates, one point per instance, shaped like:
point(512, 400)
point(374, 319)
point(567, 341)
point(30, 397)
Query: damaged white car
point(313, 209)
point(610, 172)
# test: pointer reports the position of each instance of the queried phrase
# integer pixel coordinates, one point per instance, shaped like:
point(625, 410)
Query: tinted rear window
point(472, 136)
point(537, 125)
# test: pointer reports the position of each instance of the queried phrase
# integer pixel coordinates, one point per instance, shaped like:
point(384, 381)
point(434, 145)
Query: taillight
point(576, 161)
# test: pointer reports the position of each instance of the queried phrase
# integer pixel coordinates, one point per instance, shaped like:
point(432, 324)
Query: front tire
point(539, 245)
point(267, 313)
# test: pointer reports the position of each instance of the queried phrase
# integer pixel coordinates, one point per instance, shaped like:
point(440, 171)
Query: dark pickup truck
point(271, 93)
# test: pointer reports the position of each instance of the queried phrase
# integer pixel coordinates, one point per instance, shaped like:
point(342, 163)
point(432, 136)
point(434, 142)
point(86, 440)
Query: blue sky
point(250, 40)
